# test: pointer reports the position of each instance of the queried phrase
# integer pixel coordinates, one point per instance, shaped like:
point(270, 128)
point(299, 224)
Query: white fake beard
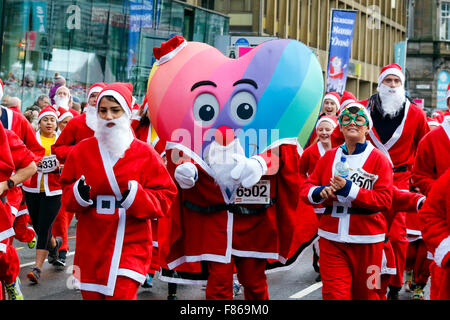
point(91, 117)
point(391, 100)
point(221, 162)
point(116, 139)
point(62, 102)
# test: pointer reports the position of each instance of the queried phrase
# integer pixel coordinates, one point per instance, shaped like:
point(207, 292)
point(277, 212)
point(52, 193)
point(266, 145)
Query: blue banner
point(341, 37)
point(442, 83)
point(39, 16)
point(141, 16)
point(400, 54)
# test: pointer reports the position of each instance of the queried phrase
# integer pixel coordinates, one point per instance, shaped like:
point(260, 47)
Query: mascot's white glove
point(186, 175)
point(248, 171)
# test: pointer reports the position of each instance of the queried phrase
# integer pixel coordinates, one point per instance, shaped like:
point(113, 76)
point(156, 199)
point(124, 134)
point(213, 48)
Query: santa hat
point(47, 111)
point(122, 92)
point(394, 69)
point(433, 122)
point(62, 87)
point(64, 113)
point(96, 87)
point(333, 96)
point(366, 112)
point(169, 49)
point(347, 98)
point(330, 120)
point(2, 89)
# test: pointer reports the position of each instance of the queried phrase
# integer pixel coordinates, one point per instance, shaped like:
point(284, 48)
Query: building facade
point(380, 24)
point(89, 41)
point(428, 53)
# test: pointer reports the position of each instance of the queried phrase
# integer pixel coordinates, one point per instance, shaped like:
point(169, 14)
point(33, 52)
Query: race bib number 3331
point(258, 194)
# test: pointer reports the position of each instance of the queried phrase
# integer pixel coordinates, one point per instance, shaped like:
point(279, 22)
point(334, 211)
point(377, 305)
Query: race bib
point(48, 164)
point(258, 194)
point(363, 179)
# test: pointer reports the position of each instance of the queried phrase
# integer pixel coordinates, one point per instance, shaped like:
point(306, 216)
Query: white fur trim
point(22, 212)
point(8, 233)
point(441, 251)
point(171, 54)
point(262, 162)
point(94, 90)
point(123, 103)
point(133, 187)
point(395, 72)
point(131, 274)
point(65, 115)
point(325, 119)
point(47, 113)
point(79, 199)
point(421, 200)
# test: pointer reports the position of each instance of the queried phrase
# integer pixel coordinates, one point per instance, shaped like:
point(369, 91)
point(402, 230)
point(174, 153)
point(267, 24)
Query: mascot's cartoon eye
point(243, 107)
point(206, 109)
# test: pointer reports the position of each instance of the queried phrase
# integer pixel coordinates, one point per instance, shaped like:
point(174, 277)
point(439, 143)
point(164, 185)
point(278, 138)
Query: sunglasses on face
point(359, 118)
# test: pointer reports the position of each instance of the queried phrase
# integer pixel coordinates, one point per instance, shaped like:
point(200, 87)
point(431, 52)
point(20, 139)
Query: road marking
point(306, 291)
point(32, 263)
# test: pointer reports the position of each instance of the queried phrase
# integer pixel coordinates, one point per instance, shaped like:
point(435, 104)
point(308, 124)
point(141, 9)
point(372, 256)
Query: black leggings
point(43, 211)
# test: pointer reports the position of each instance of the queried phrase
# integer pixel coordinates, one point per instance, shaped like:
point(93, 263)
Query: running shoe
point(14, 292)
point(53, 252)
point(32, 243)
point(60, 261)
point(148, 281)
point(418, 294)
point(34, 275)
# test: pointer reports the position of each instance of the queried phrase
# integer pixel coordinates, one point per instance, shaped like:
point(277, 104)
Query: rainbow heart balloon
point(273, 92)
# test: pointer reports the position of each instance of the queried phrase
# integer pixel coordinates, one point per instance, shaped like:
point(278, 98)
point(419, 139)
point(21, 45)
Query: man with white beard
point(114, 183)
point(398, 126)
point(63, 98)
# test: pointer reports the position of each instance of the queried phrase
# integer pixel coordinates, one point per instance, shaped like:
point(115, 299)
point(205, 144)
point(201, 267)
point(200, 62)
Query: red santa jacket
point(113, 233)
point(144, 133)
point(207, 225)
point(75, 131)
point(22, 127)
point(308, 162)
point(432, 157)
point(401, 147)
point(51, 178)
point(435, 221)
point(6, 170)
point(357, 217)
point(22, 157)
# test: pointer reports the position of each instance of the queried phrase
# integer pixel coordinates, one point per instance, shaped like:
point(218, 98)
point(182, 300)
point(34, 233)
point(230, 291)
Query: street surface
point(295, 284)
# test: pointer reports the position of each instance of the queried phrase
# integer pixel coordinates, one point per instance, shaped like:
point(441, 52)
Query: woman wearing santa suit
point(43, 193)
point(117, 184)
point(352, 229)
point(324, 127)
point(434, 217)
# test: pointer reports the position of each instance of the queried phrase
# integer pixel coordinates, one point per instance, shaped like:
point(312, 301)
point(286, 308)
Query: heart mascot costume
point(235, 129)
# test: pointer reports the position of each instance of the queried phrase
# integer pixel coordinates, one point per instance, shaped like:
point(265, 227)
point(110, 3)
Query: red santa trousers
point(417, 261)
point(125, 289)
point(251, 275)
point(350, 271)
point(22, 231)
point(436, 279)
point(9, 264)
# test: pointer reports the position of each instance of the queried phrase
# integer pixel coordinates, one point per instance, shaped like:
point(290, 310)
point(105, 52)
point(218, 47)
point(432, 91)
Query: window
point(445, 21)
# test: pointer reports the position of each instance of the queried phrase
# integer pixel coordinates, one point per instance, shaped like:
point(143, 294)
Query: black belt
point(234, 208)
point(340, 209)
point(402, 168)
point(106, 204)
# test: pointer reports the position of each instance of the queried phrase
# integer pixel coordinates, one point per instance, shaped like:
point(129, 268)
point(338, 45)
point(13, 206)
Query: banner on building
point(443, 79)
point(39, 16)
point(141, 16)
point(400, 54)
point(341, 38)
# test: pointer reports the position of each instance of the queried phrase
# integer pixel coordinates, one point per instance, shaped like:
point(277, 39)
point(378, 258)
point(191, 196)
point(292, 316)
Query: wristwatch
point(10, 183)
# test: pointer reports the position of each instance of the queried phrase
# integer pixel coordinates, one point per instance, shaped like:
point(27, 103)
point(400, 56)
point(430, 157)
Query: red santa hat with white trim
point(330, 120)
point(2, 89)
point(64, 113)
point(122, 92)
point(433, 122)
point(47, 111)
point(393, 69)
point(169, 49)
point(347, 98)
point(96, 87)
point(333, 96)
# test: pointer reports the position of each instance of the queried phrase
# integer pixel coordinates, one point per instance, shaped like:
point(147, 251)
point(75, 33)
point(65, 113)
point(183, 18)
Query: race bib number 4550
point(258, 194)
